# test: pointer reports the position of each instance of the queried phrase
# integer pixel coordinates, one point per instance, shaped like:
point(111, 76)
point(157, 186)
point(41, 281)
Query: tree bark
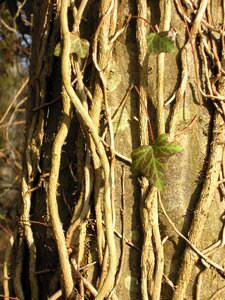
point(89, 228)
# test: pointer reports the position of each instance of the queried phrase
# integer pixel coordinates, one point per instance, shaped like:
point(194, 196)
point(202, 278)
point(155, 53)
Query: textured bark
point(128, 74)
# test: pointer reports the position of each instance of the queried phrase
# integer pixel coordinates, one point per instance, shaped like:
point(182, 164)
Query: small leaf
point(79, 46)
point(160, 42)
point(57, 51)
point(2, 214)
point(151, 160)
point(161, 139)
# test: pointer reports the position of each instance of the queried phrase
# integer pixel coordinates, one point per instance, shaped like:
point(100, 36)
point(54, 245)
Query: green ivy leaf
point(160, 42)
point(78, 45)
point(2, 214)
point(57, 51)
point(151, 160)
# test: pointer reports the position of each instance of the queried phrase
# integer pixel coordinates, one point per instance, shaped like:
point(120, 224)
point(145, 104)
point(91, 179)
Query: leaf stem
point(144, 19)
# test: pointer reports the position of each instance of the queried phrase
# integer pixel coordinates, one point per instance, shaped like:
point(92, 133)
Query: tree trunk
point(89, 228)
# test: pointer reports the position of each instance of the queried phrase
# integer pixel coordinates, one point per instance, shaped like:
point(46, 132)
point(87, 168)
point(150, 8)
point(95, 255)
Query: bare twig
point(193, 247)
point(12, 29)
point(20, 8)
point(16, 123)
point(23, 86)
point(56, 296)
point(10, 298)
point(217, 294)
point(79, 15)
point(86, 283)
point(181, 90)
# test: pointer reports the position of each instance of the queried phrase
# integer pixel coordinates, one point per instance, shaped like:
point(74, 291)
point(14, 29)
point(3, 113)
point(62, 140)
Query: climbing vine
point(101, 108)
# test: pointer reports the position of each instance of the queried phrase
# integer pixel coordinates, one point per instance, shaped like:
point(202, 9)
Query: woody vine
point(98, 160)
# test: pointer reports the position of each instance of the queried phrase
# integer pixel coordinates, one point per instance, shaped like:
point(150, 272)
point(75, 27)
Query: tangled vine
point(97, 139)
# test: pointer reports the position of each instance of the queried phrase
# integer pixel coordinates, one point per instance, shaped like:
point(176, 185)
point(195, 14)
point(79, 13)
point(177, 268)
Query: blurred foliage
point(13, 44)
point(14, 62)
point(14, 55)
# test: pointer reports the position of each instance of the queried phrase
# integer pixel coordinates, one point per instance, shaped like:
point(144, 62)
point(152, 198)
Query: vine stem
point(159, 254)
point(165, 8)
point(100, 58)
point(17, 282)
point(166, 19)
point(52, 197)
point(123, 242)
point(184, 55)
point(147, 253)
point(6, 264)
point(29, 237)
point(85, 117)
point(79, 218)
point(147, 115)
point(202, 208)
point(192, 34)
point(202, 254)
